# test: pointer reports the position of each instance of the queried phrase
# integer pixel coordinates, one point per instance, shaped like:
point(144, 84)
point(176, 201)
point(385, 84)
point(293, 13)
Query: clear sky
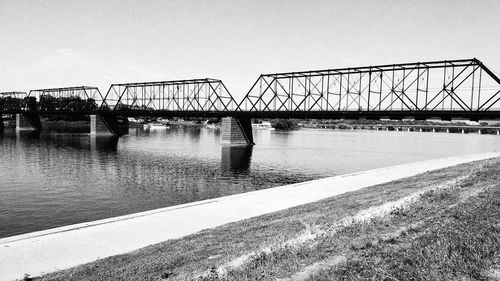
point(55, 43)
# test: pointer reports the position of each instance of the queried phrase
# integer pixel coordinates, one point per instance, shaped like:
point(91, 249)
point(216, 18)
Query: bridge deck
point(418, 115)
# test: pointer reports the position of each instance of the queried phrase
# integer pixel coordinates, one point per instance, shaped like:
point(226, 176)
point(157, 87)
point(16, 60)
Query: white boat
point(157, 125)
point(211, 125)
point(265, 125)
point(163, 121)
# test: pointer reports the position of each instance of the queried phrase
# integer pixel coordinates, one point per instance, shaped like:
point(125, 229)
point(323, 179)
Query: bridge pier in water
point(236, 131)
point(98, 126)
point(28, 121)
point(108, 125)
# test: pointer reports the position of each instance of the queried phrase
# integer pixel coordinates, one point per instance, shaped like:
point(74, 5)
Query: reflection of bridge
point(443, 89)
point(234, 159)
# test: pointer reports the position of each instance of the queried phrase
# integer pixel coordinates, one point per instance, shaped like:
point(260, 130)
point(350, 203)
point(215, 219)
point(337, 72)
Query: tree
point(284, 124)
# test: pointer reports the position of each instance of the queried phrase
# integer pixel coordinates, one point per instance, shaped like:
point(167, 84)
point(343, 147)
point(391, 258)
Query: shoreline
point(40, 252)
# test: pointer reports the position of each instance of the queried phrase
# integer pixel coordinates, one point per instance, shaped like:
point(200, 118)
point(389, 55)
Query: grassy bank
point(441, 225)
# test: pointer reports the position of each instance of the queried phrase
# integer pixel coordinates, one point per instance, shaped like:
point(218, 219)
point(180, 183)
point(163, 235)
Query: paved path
point(59, 248)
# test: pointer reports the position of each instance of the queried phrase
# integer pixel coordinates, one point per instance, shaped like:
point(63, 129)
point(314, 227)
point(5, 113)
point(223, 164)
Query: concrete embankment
point(59, 248)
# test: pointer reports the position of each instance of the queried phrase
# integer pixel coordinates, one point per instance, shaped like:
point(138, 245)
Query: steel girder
point(195, 95)
point(456, 85)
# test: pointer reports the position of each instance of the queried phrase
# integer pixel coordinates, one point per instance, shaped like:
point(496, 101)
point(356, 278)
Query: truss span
point(67, 99)
point(424, 87)
point(196, 95)
point(12, 101)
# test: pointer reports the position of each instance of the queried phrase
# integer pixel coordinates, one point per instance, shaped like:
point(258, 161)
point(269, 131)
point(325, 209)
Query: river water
point(55, 179)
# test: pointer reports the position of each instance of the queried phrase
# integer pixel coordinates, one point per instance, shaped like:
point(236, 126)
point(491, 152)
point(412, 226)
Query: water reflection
point(194, 134)
point(104, 143)
point(85, 142)
point(236, 159)
point(51, 180)
point(24, 134)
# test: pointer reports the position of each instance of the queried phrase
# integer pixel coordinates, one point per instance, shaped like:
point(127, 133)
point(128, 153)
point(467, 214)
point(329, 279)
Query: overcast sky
point(95, 43)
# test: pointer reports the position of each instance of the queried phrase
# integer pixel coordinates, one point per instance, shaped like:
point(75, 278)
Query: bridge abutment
point(28, 121)
point(236, 131)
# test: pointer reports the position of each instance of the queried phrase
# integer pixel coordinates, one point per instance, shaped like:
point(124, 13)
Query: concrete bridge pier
point(28, 121)
point(236, 131)
point(108, 125)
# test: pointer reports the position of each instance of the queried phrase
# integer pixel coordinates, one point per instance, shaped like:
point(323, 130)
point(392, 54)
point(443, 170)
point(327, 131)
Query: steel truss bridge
point(444, 89)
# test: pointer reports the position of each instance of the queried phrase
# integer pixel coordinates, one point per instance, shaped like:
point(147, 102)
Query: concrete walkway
point(59, 248)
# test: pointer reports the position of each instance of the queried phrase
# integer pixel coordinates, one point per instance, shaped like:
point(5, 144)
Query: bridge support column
point(236, 131)
point(421, 130)
point(28, 121)
point(479, 131)
point(107, 125)
point(463, 131)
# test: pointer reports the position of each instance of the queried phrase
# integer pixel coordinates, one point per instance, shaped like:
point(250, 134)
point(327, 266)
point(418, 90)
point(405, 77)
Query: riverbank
point(210, 247)
point(456, 126)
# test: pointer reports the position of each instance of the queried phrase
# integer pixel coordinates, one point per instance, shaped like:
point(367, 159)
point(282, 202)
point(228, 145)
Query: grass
point(441, 225)
point(445, 238)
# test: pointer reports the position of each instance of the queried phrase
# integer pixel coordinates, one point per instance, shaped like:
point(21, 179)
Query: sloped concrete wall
point(23, 122)
point(233, 133)
point(98, 127)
